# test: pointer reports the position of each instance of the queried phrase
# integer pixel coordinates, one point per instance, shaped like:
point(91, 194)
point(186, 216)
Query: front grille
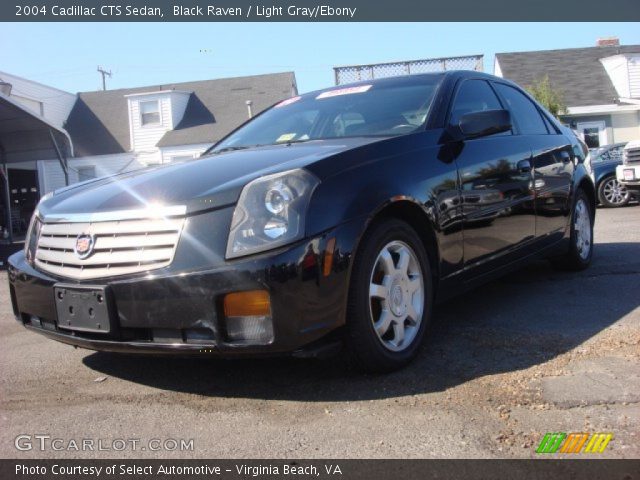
point(119, 248)
point(631, 155)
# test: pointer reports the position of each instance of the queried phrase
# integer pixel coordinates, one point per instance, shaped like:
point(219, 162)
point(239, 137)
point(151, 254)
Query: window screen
point(149, 112)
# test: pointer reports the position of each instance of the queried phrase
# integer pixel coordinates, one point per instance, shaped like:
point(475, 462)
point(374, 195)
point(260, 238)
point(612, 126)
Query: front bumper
point(629, 176)
point(155, 312)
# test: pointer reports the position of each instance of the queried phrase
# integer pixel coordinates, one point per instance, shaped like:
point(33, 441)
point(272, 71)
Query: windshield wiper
point(301, 140)
point(232, 148)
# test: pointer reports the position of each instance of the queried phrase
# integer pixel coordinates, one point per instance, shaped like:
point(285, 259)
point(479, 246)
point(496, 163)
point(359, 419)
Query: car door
point(553, 163)
point(495, 184)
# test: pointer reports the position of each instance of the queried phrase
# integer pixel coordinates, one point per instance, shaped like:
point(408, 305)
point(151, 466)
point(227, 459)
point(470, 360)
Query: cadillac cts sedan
point(338, 217)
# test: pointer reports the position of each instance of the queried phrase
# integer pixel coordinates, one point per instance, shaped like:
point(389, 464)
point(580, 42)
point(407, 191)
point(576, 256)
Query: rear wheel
point(612, 193)
point(581, 239)
point(390, 298)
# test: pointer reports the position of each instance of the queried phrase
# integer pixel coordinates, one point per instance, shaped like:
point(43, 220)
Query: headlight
point(270, 212)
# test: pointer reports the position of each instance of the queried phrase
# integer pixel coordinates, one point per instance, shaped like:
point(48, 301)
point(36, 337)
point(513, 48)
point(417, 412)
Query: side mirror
point(487, 122)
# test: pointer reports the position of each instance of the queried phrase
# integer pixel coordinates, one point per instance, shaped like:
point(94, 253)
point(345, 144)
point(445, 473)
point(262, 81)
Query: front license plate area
point(82, 308)
point(629, 174)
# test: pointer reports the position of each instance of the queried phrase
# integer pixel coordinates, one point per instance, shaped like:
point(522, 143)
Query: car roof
point(405, 79)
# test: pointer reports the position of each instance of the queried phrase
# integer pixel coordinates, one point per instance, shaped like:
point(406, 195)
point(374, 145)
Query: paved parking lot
point(537, 351)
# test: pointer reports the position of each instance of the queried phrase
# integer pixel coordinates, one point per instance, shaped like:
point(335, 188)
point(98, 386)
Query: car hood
point(213, 181)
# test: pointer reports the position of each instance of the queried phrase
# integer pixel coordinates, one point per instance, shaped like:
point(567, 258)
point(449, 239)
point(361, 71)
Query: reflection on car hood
point(212, 181)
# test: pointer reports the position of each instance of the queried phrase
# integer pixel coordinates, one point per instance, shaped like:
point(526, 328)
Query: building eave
point(601, 109)
point(157, 92)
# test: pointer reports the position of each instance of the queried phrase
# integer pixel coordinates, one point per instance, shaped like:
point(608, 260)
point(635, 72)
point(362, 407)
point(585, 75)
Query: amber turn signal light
point(253, 303)
point(327, 263)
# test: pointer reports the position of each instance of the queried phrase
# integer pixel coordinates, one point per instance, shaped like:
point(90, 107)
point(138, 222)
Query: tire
point(397, 299)
point(612, 194)
point(580, 250)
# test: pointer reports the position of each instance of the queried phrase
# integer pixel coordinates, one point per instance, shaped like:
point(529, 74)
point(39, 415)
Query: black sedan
point(335, 217)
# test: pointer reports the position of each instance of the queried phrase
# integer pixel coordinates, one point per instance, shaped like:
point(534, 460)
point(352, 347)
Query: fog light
point(248, 317)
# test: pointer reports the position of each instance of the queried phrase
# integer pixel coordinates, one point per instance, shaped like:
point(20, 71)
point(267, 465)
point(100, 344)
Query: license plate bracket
point(82, 308)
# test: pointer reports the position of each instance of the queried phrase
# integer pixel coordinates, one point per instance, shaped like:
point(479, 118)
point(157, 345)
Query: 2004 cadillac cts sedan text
point(338, 216)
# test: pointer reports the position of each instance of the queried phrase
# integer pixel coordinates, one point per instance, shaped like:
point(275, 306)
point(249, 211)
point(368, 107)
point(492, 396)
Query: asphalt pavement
point(537, 351)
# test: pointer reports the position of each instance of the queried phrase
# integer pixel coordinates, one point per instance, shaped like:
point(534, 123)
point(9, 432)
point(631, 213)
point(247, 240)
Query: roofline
point(39, 118)
point(157, 92)
point(178, 84)
point(601, 109)
point(572, 48)
point(37, 83)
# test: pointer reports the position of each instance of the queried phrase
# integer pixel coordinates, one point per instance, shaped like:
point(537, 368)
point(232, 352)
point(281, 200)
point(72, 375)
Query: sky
point(65, 55)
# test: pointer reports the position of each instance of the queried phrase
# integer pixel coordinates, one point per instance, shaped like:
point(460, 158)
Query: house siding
point(168, 153)
point(634, 76)
point(625, 127)
point(51, 174)
point(145, 138)
point(179, 102)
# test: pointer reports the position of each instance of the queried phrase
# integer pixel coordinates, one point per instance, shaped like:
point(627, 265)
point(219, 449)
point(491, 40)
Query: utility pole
point(104, 74)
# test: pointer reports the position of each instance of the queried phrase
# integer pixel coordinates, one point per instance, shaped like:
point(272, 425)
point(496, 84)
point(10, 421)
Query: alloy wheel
point(396, 296)
point(582, 227)
point(614, 192)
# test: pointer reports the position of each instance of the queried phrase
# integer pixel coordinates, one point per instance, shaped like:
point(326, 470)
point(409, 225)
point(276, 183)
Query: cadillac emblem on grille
point(84, 245)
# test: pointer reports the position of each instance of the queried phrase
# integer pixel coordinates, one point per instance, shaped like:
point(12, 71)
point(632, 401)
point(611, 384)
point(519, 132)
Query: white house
point(600, 86)
point(120, 130)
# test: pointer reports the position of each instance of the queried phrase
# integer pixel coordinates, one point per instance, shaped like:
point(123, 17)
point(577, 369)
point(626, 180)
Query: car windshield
point(607, 154)
point(376, 109)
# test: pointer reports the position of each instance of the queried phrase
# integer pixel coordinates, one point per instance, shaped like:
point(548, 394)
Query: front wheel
point(390, 298)
point(612, 193)
point(581, 238)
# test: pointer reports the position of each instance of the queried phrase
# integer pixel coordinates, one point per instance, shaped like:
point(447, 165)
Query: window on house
point(149, 112)
point(86, 173)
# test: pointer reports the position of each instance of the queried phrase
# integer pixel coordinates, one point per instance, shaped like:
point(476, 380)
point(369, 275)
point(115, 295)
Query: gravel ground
point(537, 351)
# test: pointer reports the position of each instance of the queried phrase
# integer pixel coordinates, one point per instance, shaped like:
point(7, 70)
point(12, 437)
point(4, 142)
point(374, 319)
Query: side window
point(550, 128)
point(524, 112)
point(473, 96)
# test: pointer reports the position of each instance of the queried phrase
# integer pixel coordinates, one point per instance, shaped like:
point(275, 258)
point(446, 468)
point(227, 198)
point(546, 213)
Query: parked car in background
point(628, 174)
point(604, 160)
point(338, 215)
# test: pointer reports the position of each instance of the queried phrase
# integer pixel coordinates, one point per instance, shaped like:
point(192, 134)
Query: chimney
point(249, 109)
point(5, 88)
point(608, 42)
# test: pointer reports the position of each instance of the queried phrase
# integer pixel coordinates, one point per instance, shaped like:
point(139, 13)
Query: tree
point(547, 96)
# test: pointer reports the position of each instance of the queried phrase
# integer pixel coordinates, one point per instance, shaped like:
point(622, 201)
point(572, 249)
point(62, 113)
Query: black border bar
point(319, 11)
point(561, 469)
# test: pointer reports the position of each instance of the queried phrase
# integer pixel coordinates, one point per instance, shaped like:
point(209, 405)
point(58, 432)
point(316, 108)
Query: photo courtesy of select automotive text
point(319, 239)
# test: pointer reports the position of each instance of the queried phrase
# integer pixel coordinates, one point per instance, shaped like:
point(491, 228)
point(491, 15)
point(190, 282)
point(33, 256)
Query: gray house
point(600, 86)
